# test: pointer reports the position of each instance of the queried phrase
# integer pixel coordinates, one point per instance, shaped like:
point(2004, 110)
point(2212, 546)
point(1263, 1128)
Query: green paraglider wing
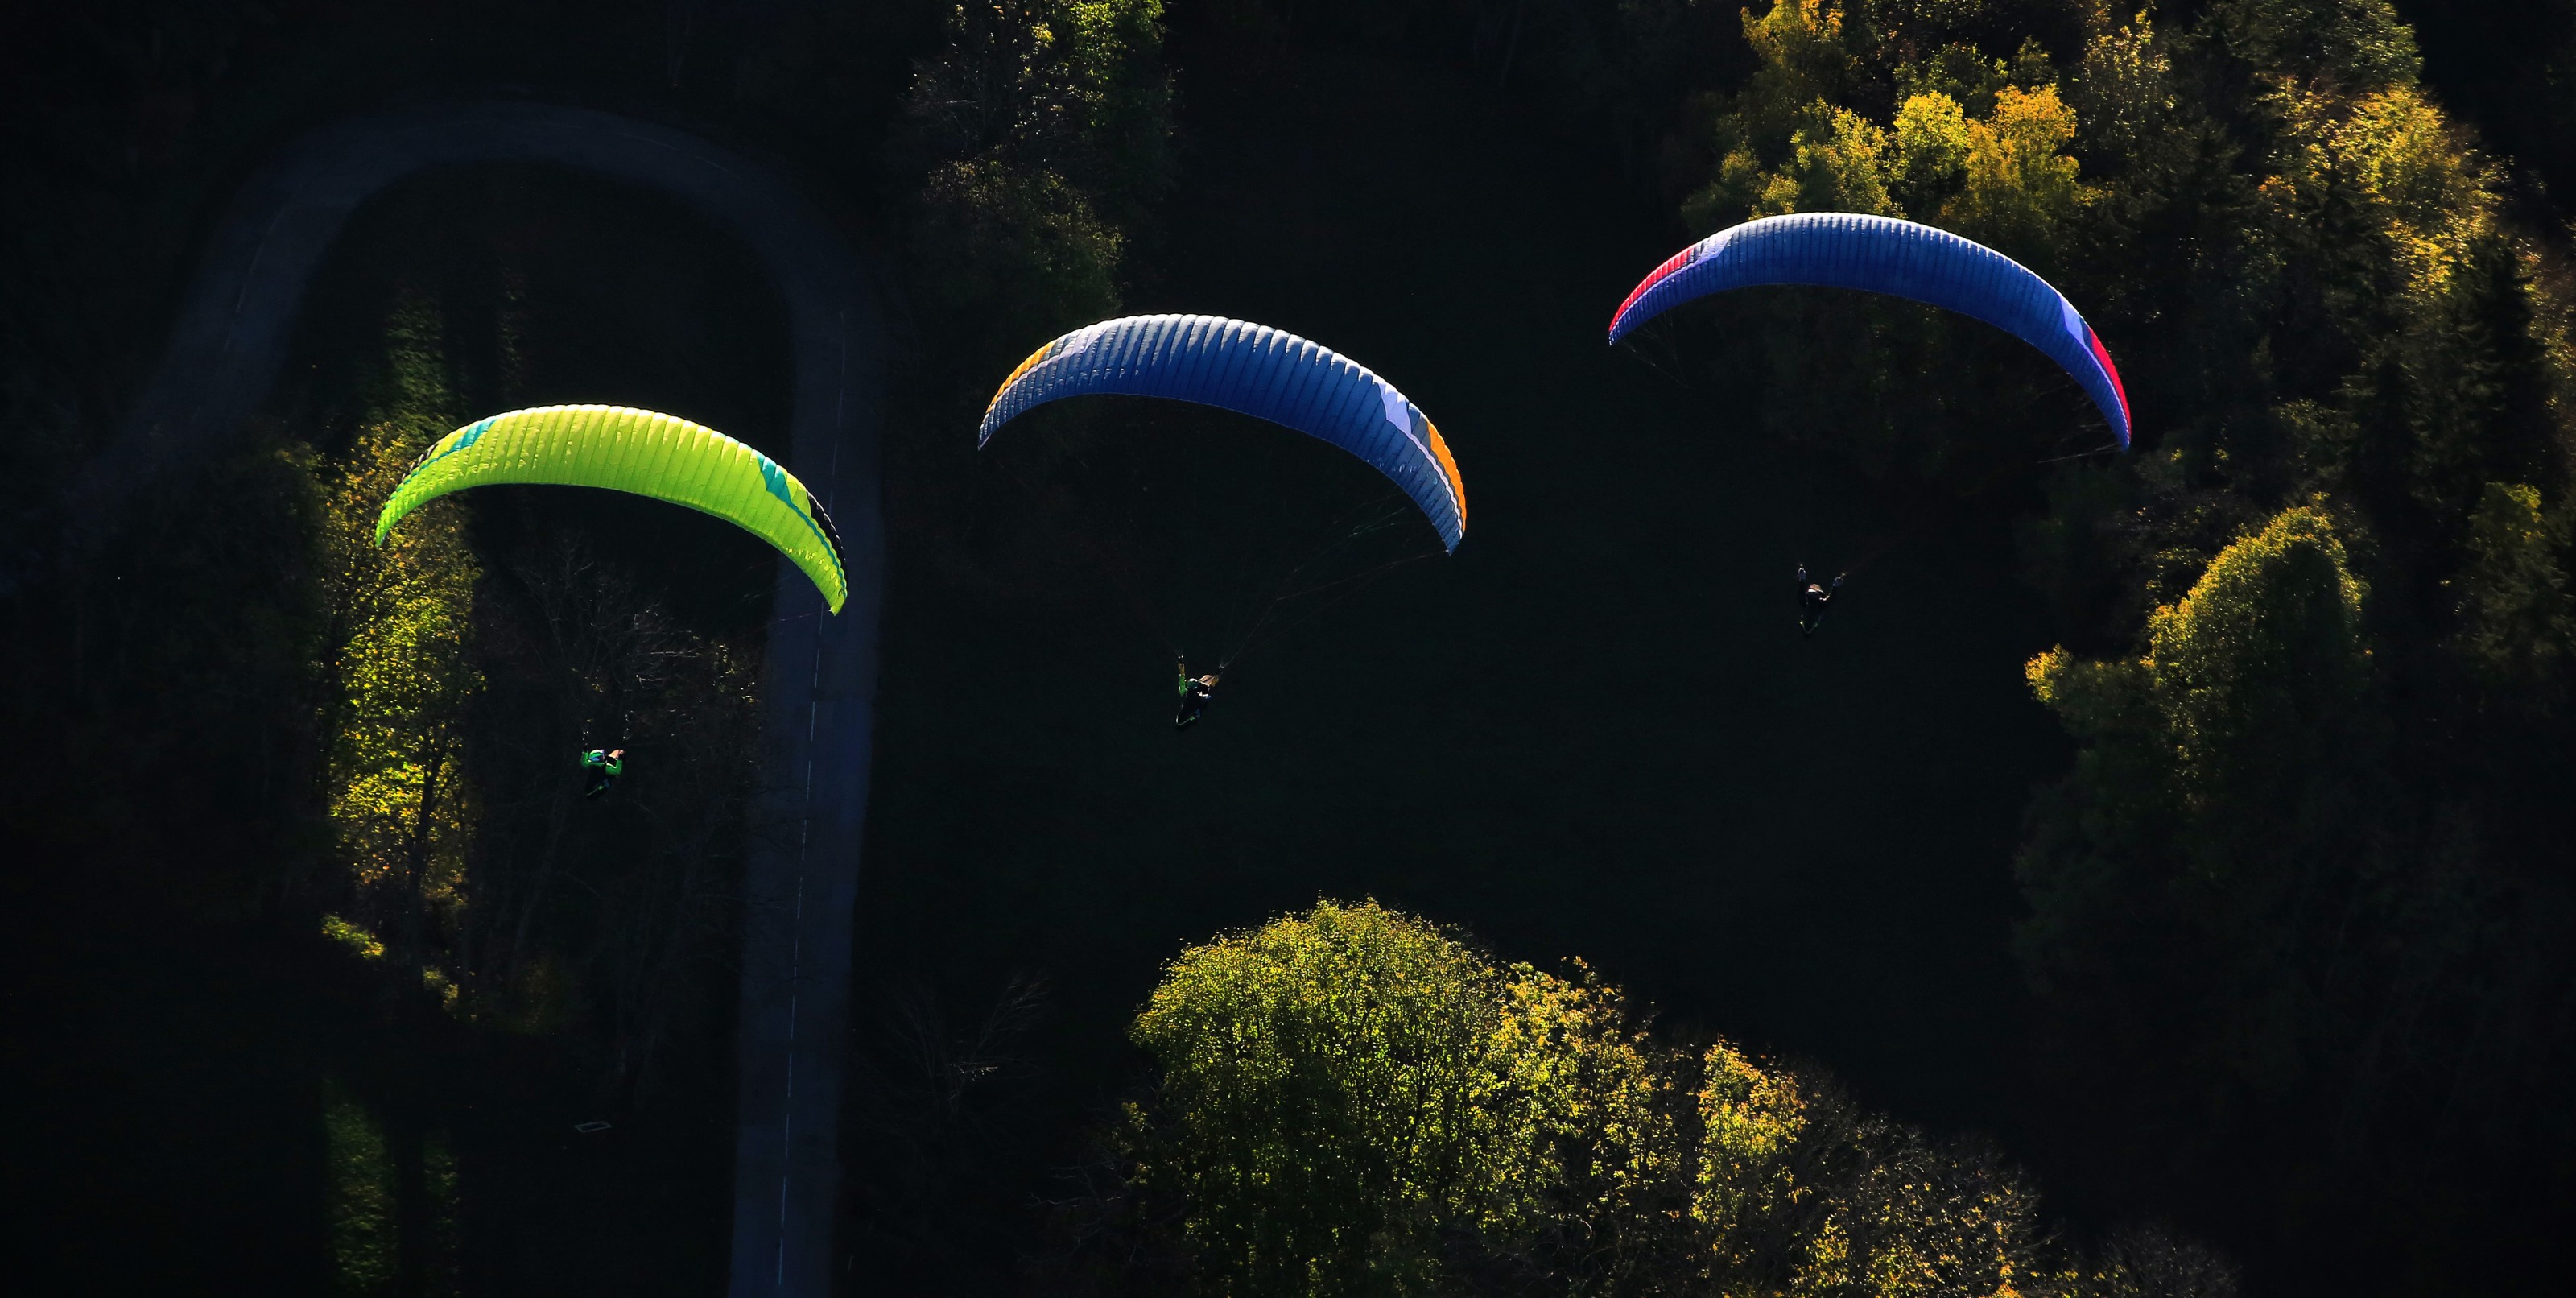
point(639, 452)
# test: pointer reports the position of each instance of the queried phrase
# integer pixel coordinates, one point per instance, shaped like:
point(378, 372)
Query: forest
point(2154, 880)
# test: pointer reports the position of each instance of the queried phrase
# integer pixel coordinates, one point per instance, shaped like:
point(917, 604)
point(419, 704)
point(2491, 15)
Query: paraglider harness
point(604, 768)
point(1194, 695)
point(1812, 600)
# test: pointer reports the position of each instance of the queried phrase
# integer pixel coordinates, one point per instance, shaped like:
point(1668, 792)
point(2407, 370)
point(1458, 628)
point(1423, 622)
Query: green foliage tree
point(1747, 1194)
point(1932, 143)
point(2517, 619)
point(2257, 671)
point(1800, 1192)
point(2359, 46)
point(1802, 59)
point(2018, 189)
point(1041, 131)
point(1353, 1101)
point(1344, 1084)
point(2122, 86)
point(1836, 164)
point(2228, 792)
point(398, 672)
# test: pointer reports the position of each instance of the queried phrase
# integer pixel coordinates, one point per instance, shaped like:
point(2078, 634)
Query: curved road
point(820, 672)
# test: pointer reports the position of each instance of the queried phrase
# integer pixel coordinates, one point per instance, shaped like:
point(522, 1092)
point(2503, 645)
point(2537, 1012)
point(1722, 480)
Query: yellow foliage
point(2268, 637)
point(1932, 142)
point(396, 656)
point(2019, 186)
point(1802, 59)
point(2016, 186)
point(402, 618)
point(1750, 1120)
point(1835, 166)
point(440, 987)
point(356, 939)
point(1786, 111)
point(2047, 675)
point(2122, 83)
point(1751, 1114)
point(2090, 696)
point(2403, 155)
point(2394, 156)
point(1108, 36)
point(1590, 1086)
point(2435, 198)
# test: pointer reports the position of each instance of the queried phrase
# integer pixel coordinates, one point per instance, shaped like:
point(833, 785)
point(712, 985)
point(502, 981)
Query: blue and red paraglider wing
point(1902, 259)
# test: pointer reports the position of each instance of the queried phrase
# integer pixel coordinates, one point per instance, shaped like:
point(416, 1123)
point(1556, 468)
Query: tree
point(1353, 1101)
point(2258, 671)
point(1836, 164)
point(398, 675)
point(1041, 130)
point(2226, 792)
point(1343, 1086)
point(2517, 619)
point(2019, 189)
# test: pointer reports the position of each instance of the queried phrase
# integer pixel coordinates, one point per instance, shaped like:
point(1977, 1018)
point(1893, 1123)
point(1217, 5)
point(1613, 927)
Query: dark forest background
point(2186, 828)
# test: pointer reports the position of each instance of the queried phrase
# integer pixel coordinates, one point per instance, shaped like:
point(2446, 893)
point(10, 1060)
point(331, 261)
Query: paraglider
point(642, 453)
point(1812, 600)
point(1262, 372)
point(603, 769)
point(1900, 258)
point(1254, 370)
point(1195, 694)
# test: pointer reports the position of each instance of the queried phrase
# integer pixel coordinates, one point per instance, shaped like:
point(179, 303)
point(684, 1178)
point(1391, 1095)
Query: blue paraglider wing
point(1899, 258)
point(1255, 370)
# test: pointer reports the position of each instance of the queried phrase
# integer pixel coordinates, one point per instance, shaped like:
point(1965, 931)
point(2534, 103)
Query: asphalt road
point(820, 675)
